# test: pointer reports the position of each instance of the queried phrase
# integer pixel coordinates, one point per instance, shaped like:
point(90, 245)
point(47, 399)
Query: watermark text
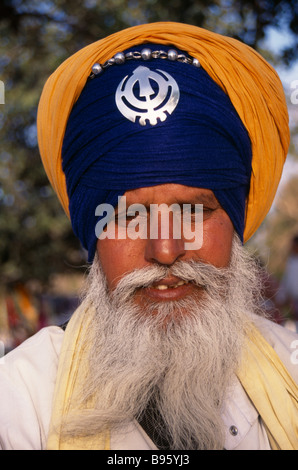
point(2, 92)
point(2, 352)
point(158, 221)
point(294, 355)
point(294, 94)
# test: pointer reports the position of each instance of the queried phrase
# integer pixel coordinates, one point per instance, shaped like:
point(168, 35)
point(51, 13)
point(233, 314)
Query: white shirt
point(27, 381)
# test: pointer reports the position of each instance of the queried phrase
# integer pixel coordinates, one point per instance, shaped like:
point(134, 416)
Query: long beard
point(181, 356)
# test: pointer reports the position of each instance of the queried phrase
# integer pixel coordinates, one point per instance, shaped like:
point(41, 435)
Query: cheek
point(218, 236)
point(117, 257)
point(110, 260)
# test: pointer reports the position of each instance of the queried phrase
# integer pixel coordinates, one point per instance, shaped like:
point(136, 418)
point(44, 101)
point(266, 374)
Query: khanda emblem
point(148, 95)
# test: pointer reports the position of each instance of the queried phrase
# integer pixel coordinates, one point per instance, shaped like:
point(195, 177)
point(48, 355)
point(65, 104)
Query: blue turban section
point(203, 143)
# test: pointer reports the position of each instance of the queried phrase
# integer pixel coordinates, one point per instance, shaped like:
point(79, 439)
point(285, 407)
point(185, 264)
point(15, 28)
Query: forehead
point(169, 194)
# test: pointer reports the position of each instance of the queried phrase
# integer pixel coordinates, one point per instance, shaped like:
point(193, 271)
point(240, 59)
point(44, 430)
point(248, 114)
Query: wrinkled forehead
point(171, 194)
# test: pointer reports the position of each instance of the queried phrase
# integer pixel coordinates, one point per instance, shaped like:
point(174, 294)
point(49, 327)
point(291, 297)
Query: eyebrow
point(205, 199)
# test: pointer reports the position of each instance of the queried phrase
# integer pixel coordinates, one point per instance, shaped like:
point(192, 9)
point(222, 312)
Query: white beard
point(184, 363)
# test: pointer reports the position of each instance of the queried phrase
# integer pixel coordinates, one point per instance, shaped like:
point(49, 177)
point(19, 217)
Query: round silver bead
point(172, 54)
point(196, 63)
point(96, 69)
point(146, 54)
point(119, 58)
point(233, 430)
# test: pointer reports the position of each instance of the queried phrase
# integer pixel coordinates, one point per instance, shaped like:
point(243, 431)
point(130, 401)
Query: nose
point(164, 251)
point(165, 244)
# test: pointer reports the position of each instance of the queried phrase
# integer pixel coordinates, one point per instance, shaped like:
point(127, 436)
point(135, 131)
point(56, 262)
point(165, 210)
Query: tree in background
point(35, 37)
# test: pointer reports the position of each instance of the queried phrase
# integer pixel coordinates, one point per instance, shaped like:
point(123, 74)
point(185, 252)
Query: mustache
point(201, 274)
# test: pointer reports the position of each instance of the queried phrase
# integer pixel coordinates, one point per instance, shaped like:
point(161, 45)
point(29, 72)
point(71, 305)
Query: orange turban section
point(251, 83)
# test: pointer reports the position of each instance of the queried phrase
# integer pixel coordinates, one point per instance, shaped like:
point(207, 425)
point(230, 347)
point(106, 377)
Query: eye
point(193, 209)
point(208, 209)
point(122, 219)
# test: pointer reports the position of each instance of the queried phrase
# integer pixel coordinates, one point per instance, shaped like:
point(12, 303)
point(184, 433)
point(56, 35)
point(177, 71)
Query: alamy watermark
point(2, 352)
point(294, 355)
point(156, 221)
point(294, 94)
point(2, 92)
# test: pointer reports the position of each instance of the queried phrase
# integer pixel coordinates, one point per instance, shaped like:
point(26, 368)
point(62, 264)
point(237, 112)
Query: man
point(168, 349)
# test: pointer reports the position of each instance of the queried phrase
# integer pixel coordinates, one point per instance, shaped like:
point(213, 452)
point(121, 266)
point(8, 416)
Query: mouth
point(169, 289)
point(170, 286)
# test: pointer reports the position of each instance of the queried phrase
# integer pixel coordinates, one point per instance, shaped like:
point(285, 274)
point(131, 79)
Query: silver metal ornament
point(147, 104)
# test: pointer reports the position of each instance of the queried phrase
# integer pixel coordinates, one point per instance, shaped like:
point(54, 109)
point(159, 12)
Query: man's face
point(119, 257)
point(147, 326)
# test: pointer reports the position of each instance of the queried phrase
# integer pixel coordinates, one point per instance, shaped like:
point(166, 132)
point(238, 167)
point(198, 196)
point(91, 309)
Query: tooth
point(164, 287)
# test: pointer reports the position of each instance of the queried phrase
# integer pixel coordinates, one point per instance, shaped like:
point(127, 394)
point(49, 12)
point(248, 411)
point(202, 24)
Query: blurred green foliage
point(35, 37)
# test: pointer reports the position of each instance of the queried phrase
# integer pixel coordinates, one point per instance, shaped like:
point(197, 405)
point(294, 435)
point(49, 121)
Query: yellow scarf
point(263, 376)
point(272, 391)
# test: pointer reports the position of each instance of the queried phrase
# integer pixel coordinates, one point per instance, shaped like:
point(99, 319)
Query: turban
point(191, 135)
point(248, 81)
